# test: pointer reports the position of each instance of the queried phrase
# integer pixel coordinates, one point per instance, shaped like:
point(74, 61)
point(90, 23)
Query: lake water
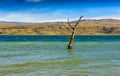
point(48, 56)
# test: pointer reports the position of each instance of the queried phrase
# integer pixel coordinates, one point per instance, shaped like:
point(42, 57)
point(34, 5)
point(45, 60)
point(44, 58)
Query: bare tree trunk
point(71, 39)
point(73, 32)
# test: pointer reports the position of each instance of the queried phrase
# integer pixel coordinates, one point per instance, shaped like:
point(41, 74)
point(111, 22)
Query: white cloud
point(28, 17)
point(33, 0)
point(58, 15)
point(16, 17)
point(115, 16)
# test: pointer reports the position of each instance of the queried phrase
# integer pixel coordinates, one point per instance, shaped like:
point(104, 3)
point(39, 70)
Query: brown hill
point(87, 27)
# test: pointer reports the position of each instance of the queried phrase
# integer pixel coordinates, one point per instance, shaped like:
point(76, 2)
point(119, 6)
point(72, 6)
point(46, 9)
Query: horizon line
point(47, 21)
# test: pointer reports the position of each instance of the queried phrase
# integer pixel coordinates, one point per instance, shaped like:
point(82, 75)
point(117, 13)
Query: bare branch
point(78, 21)
point(73, 32)
point(69, 23)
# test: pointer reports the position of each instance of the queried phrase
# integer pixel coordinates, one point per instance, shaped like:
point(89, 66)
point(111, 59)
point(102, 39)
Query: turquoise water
point(53, 59)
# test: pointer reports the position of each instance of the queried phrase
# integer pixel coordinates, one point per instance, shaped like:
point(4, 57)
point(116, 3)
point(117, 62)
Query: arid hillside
point(87, 27)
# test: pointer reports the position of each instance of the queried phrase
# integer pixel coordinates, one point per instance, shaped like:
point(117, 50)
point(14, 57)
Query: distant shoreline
point(87, 27)
point(64, 35)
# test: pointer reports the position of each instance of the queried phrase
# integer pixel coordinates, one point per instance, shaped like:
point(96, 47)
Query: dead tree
point(73, 32)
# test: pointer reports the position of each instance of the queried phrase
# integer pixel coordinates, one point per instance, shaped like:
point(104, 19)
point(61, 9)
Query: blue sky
point(57, 10)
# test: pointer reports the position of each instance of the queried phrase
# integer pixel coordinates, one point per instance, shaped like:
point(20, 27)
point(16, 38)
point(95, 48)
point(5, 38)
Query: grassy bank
point(58, 29)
